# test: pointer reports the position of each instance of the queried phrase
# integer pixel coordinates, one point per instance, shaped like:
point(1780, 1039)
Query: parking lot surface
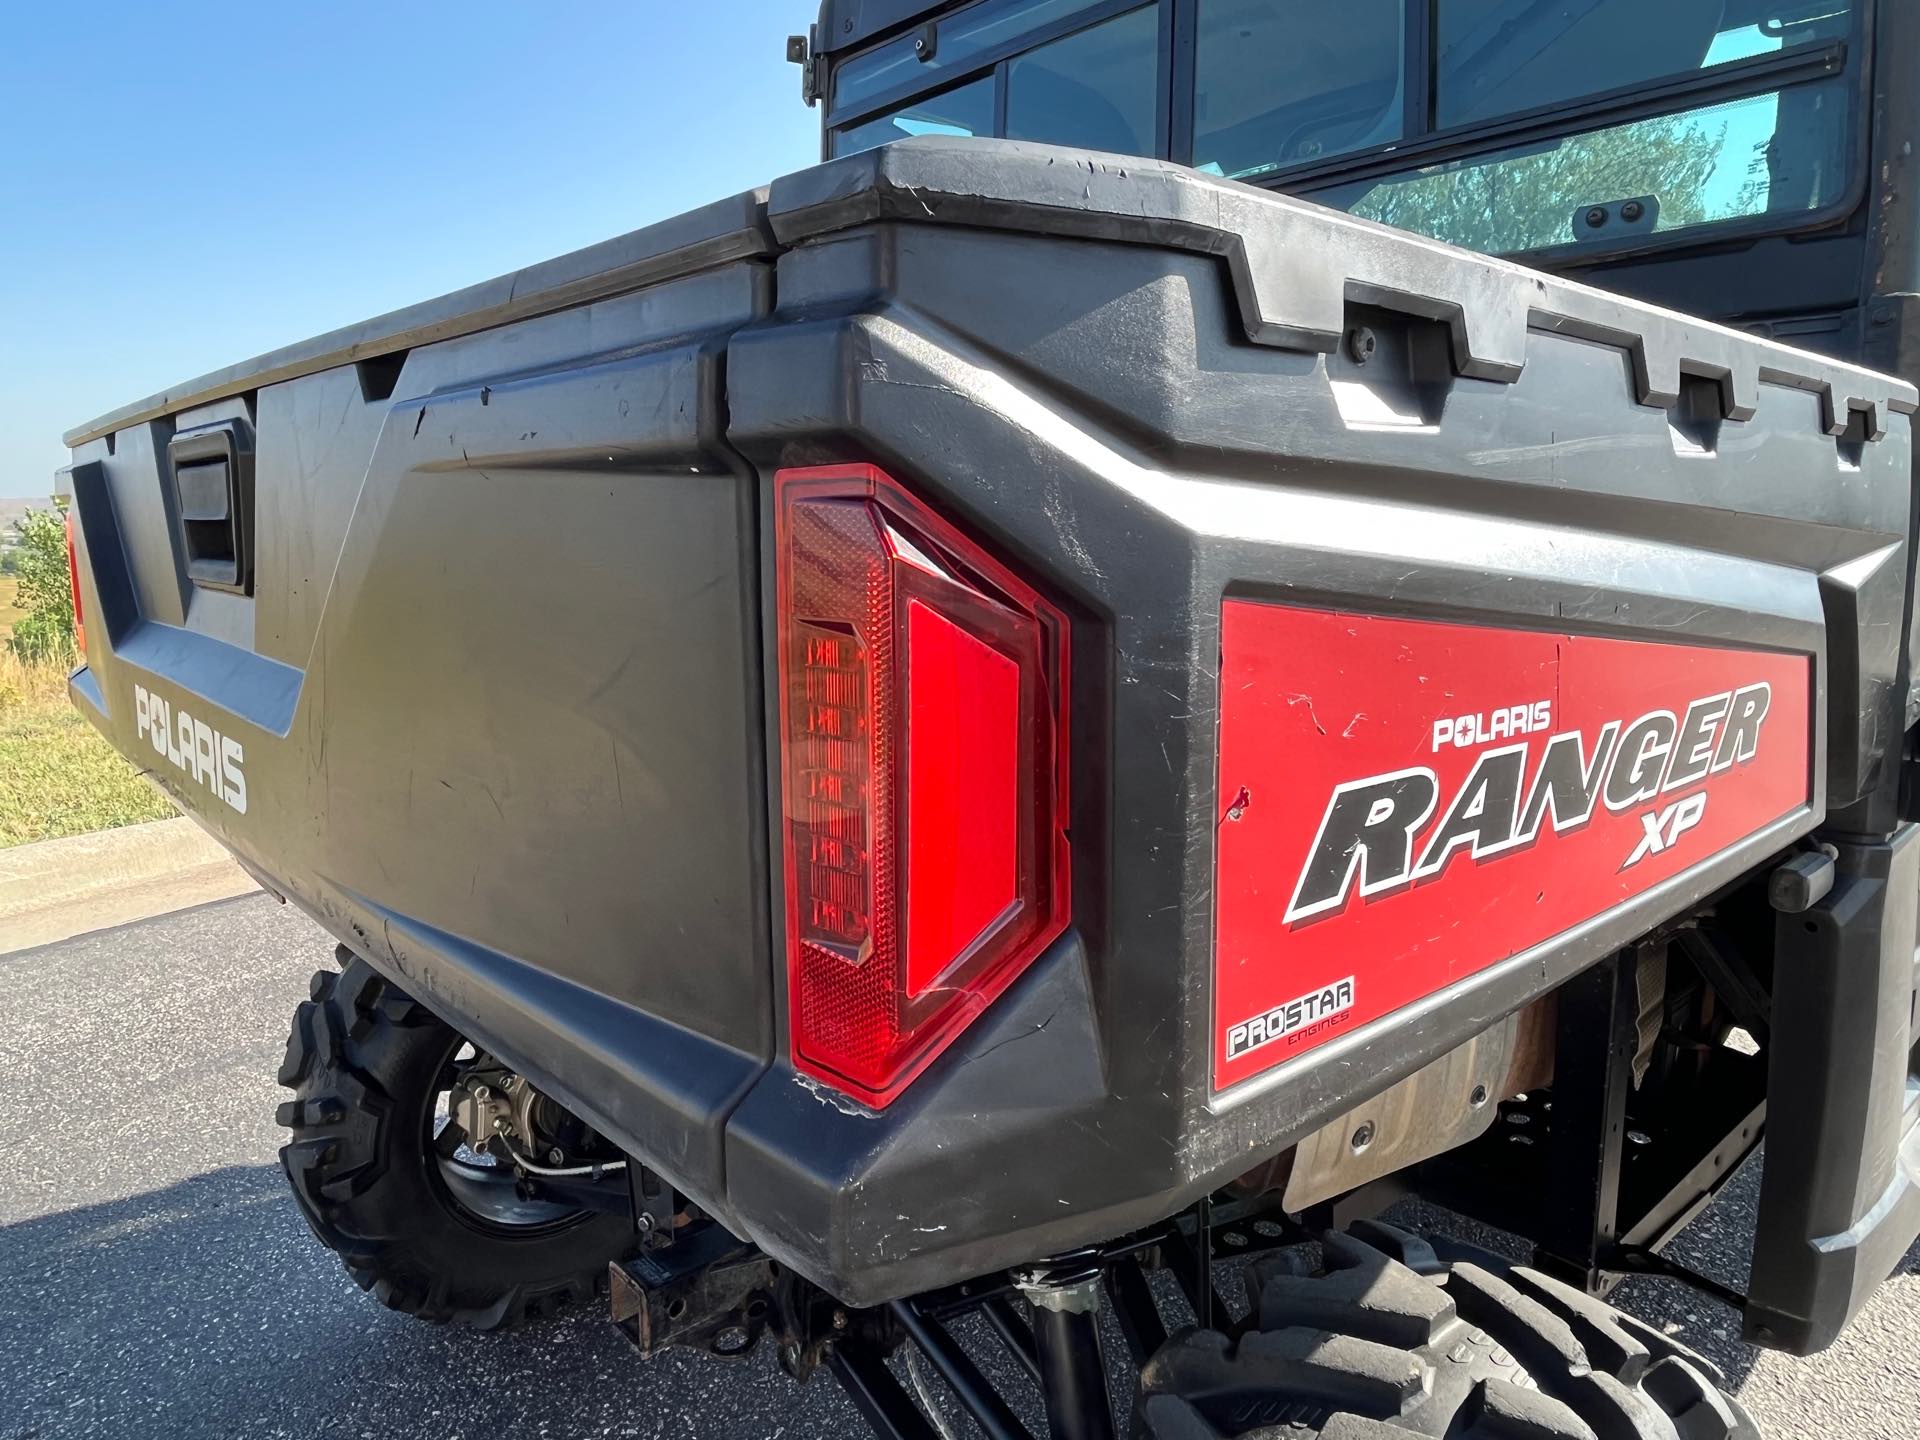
point(159, 1281)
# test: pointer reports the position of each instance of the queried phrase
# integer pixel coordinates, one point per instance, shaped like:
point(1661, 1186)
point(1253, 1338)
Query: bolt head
point(839, 1319)
point(1363, 1136)
point(1361, 343)
point(1632, 210)
point(1597, 216)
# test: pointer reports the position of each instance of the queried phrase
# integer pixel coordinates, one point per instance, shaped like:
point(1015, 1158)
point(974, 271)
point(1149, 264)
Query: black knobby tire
point(1390, 1340)
point(364, 1061)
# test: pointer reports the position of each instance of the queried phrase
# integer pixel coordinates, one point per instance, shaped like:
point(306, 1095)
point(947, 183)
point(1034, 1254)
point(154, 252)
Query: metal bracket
point(1732, 978)
point(1639, 1260)
point(656, 1206)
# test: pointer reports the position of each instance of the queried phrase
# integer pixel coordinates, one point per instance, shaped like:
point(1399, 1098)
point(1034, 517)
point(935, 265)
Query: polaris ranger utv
point(1099, 704)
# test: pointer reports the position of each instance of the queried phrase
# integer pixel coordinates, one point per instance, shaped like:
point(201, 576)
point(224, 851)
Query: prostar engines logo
point(1366, 842)
point(1300, 1016)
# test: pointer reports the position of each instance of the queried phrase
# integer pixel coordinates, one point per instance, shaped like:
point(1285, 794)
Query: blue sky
point(189, 183)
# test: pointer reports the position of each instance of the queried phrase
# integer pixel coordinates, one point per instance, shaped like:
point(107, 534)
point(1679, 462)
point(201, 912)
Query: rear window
point(1499, 57)
point(1278, 82)
point(1776, 154)
point(1505, 125)
point(1097, 88)
point(1095, 84)
point(963, 39)
point(963, 110)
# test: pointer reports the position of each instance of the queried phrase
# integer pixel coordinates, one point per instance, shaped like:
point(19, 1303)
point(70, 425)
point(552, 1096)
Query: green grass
point(57, 776)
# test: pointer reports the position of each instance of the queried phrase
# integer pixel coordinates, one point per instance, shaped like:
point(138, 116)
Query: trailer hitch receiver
point(707, 1292)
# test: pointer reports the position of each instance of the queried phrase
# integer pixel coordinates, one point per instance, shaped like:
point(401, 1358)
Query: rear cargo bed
point(501, 711)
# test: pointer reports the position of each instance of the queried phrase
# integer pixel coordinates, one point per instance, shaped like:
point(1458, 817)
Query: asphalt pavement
point(156, 1279)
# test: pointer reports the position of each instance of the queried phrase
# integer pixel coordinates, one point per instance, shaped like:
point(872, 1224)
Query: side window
point(1098, 88)
point(963, 110)
point(1283, 82)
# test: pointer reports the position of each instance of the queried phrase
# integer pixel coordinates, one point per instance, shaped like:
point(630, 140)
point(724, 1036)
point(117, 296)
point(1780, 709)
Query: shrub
point(46, 593)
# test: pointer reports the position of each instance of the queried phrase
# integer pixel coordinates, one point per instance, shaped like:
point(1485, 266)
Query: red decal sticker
point(1404, 803)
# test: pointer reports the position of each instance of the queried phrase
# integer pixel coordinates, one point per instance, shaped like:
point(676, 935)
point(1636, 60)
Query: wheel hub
point(496, 1108)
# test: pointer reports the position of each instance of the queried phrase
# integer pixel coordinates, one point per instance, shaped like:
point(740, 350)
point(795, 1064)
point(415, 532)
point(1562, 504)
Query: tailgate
point(445, 625)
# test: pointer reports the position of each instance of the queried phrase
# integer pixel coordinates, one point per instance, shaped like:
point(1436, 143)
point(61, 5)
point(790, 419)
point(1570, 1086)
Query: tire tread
point(344, 1045)
point(1473, 1349)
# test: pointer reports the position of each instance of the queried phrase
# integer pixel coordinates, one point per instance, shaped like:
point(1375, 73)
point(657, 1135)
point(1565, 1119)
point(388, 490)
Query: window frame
point(1426, 144)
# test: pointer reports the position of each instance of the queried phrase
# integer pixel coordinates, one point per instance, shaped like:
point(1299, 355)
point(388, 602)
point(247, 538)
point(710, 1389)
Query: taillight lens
point(73, 579)
point(923, 714)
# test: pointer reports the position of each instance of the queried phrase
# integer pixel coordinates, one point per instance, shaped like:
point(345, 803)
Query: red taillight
point(73, 579)
point(923, 709)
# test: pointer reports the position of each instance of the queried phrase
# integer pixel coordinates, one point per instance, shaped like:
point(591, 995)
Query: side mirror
point(800, 52)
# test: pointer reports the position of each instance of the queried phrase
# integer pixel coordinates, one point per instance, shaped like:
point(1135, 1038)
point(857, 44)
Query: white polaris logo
point(192, 747)
point(1291, 1017)
point(1463, 732)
